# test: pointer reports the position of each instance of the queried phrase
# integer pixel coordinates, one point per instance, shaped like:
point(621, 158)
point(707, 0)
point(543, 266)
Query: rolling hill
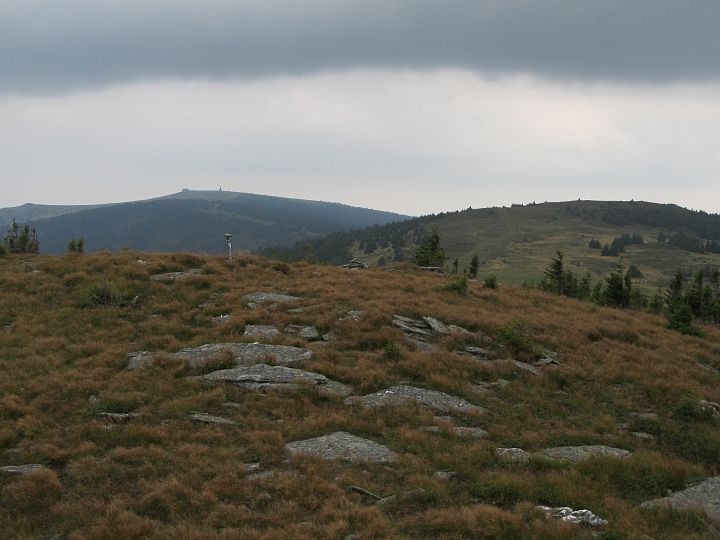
point(194, 221)
point(516, 243)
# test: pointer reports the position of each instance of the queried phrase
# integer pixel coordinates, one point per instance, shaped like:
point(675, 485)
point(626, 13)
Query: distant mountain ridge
point(193, 221)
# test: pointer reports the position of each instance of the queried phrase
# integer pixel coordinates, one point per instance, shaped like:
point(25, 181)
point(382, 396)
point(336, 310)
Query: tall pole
point(229, 244)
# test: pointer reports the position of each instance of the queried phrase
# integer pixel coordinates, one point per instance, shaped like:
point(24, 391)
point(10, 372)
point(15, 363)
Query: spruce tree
point(474, 266)
point(555, 273)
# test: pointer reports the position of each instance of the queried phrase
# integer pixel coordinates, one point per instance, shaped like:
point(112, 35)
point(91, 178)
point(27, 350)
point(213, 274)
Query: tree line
point(680, 304)
point(19, 239)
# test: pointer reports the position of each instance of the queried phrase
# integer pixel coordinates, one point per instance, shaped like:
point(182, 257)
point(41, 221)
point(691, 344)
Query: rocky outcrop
point(243, 353)
point(355, 265)
point(581, 517)
point(262, 377)
point(342, 445)
point(396, 395)
point(705, 496)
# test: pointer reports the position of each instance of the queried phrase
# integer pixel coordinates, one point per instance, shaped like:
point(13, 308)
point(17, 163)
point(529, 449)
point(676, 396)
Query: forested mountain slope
point(196, 221)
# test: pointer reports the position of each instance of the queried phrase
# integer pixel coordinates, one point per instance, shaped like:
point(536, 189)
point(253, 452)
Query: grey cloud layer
point(49, 46)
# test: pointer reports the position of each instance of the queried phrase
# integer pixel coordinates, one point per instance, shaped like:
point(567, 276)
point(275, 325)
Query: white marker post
point(227, 237)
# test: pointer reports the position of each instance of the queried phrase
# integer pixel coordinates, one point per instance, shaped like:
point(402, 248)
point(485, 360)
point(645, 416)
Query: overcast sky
point(410, 106)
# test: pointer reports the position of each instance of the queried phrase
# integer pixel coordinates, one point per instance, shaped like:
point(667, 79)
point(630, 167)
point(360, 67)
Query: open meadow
point(143, 453)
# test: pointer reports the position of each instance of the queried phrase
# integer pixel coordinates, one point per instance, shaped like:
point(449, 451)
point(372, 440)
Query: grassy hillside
point(63, 354)
point(517, 243)
point(196, 221)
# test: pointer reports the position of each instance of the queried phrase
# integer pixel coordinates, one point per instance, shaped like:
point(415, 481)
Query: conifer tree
point(474, 266)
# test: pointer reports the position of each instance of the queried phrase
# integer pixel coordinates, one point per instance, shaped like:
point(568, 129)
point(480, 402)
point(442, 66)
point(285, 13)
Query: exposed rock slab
point(408, 327)
point(705, 496)
point(355, 265)
point(139, 359)
point(21, 469)
point(580, 453)
point(265, 297)
point(342, 445)
point(175, 276)
point(210, 419)
point(262, 377)
point(487, 386)
point(581, 517)
point(644, 416)
point(439, 401)
point(260, 330)
point(243, 353)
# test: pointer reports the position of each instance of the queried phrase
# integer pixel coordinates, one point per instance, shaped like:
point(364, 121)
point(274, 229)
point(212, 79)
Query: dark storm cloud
point(48, 46)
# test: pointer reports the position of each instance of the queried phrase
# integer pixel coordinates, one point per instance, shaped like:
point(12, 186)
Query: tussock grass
point(165, 476)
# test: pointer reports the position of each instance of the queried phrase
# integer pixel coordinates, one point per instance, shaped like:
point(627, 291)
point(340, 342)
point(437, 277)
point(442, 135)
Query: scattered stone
point(308, 333)
point(355, 265)
point(262, 377)
point(260, 330)
point(342, 445)
point(365, 492)
point(709, 368)
point(328, 337)
point(514, 454)
point(431, 268)
point(444, 475)
point(263, 297)
point(460, 329)
point(644, 416)
point(547, 361)
point(580, 453)
point(436, 325)
point(221, 319)
point(206, 305)
point(250, 467)
point(476, 351)
point(549, 353)
point(21, 469)
point(430, 398)
point(473, 432)
point(641, 435)
point(581, 517)
point(518, 363)
point(405, 496)
point(175, 276)
point(233, 405)
point(93, 400)
point(140, 261)
point(139, 359)
point(352, 536)
point(210, 419)
point(622, 425)
point(252, 305)
point(709, 405)
point(244, 354)
point(118, 418)
point(705, 496)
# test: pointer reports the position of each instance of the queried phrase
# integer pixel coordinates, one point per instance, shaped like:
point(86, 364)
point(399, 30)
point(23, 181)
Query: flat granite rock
point(581, 453)
point(439, 401)
point(21, 469)
point(262, 377)
point(262, 297)
point(705, 496)
point(342, 445)
point(244, 354)
point(514, 454)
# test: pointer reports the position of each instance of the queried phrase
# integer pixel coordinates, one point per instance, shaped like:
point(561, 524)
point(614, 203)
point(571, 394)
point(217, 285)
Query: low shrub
point(102, 294)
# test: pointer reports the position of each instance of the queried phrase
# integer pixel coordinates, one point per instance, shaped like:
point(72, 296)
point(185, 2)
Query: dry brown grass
point(164, 476)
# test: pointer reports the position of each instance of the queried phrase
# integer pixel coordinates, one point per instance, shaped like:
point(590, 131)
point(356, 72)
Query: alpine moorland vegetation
point(68, 323)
